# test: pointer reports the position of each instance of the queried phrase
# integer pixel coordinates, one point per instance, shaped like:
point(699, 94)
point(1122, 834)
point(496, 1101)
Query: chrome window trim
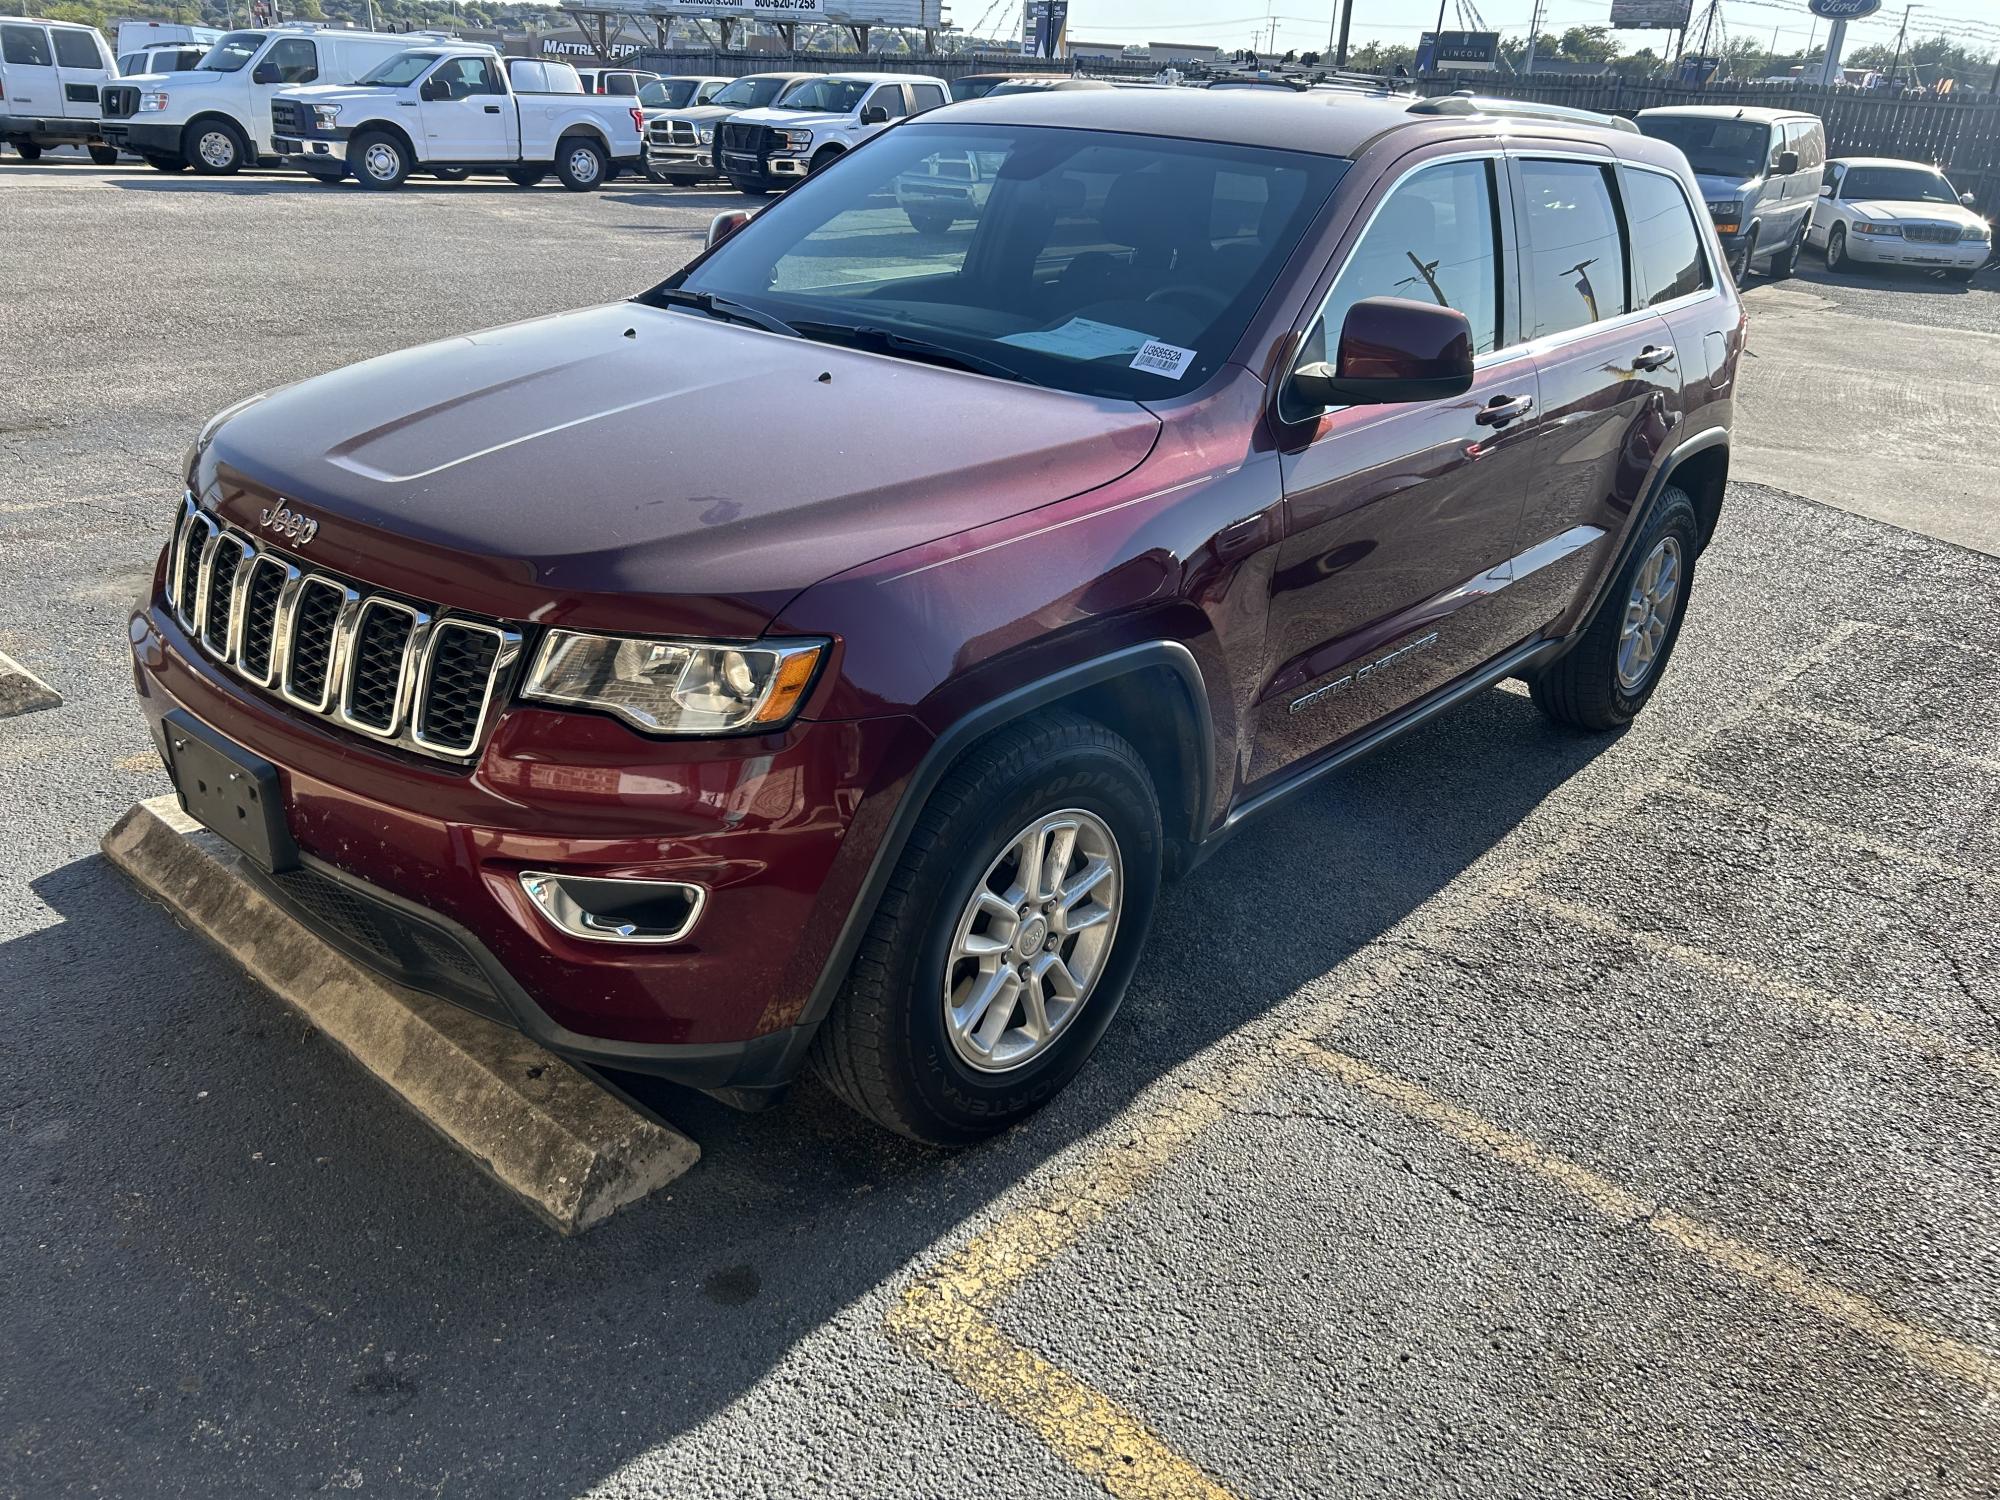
point(504, 657)
point(413, 645)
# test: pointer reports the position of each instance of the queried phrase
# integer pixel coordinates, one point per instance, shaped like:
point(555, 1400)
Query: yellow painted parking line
point(1832, 834)
point(1867, 734)
point(1938, 1353)
point(1801, 997)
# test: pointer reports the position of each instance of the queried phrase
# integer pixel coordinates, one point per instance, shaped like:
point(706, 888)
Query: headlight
point(152, 101)
point(797, 140)
point(1977, 232)
point(676, 687)
point(326, 115)
point(706, 135)
point(1884, 229)
point(1732, 209)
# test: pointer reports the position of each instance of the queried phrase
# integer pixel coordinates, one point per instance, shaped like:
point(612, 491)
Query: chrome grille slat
point(370, 663)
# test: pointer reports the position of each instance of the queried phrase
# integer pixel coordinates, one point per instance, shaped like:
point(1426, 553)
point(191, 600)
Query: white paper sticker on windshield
point(1079, 338)
point(1169, 360)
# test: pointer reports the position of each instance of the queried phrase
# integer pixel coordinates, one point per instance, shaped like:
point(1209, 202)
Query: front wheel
point(930, 221)
point(749, 188)
point(215, 148)
point(526, 176)
point(1784, 260)
point(1005, 939)
point(379, 161)
point(1739, 264)
point(166, 164)
point(1962, 276)
point(28, 150)
point(1836, 247)
point(580, 164)
point(451, 174)
point(104, 156)
point(1610, 673)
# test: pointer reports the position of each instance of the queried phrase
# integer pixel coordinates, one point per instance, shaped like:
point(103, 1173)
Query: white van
point(216, 117)
point(52, 75)
point(1759, 171)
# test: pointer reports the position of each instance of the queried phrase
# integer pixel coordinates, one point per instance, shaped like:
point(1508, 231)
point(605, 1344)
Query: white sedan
point(1875, 211)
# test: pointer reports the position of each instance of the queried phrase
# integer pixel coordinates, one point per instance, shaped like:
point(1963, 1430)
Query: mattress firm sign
point(847, 12)
point(1650, 15)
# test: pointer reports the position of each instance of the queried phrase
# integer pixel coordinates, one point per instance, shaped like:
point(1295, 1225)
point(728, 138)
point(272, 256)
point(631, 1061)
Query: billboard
point(1458, 51)
point(1045, 28)
point(846, 12)
point(1650, 15)
point(1845, 10)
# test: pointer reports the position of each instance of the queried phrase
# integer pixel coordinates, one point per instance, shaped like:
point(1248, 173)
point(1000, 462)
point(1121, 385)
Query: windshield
point(1098, 263)
point(837, 96)
point(1897, 185)
point(232, 52)
point(668, 93)
point(403, 68)
point(749, 93)
point(974, 87)
point(1717, 148)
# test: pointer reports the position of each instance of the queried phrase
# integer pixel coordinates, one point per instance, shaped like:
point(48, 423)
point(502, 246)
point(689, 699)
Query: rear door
point(1609, 368)
point(83, 66)
point(32, 88)
point(1401, 521)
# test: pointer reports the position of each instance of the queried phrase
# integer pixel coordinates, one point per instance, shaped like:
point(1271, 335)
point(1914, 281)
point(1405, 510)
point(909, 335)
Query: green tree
point(1589, 44)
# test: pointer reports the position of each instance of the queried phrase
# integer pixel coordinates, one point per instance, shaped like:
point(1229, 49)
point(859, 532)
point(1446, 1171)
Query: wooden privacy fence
point(1962, 137)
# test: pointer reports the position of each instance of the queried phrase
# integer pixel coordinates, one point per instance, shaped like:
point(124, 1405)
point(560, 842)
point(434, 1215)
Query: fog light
point(615, 911)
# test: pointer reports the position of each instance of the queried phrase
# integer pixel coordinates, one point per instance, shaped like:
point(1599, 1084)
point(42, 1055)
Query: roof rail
point(1465, 102)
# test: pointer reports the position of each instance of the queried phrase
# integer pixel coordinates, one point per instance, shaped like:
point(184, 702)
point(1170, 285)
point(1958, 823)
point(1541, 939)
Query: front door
point(466, 113)
point(1401, 521)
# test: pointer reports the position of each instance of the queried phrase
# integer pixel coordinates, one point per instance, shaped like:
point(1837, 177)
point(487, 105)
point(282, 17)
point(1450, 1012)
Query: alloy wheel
point(1033, 940)
point(1649, 614)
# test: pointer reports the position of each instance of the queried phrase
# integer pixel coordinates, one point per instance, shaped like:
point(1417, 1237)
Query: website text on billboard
point(1651, 15)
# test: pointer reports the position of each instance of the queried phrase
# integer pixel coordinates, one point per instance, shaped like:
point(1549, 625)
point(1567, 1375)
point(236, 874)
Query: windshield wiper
point(888, 341)
point(722, 307)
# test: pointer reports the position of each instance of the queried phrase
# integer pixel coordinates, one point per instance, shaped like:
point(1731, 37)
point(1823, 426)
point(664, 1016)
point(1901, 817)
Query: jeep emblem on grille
point(289, 524)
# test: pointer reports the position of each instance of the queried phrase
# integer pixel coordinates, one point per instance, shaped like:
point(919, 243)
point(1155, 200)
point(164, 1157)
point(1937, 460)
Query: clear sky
point(1302, 25)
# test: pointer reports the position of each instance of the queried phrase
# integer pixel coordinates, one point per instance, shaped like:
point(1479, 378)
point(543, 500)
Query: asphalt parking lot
point(1519, 1114)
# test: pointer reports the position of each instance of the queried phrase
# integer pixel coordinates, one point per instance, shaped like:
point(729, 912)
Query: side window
point(1432, 240)
point(296, 60)
point(25, 45)
point(483, 77)
point(1830, 176)
point(709, 90)
point(1666, 247)
point(928, 96)
point(889, 97)
point(129, 63)
point(623, 84)
point(1574, 259)
point(76, 49)
point(1805, 137)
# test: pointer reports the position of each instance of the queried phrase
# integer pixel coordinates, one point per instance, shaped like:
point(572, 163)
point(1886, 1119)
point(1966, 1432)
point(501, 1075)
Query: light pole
point(1437, 35)
point(1900, 32)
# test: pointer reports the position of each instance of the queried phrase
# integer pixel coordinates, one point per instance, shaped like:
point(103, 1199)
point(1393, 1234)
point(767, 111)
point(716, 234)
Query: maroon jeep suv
point(820, 659)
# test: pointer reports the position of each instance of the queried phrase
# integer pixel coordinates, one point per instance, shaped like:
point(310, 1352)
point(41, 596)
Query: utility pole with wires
point(1534, 37)
point(1346, 21)
point(1901, 31)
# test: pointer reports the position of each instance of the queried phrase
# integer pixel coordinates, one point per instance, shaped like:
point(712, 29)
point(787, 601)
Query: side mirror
point(1392, 349)
point(723, 225)
point(1788, 163)
point(1826, 190)
point(264, 72)
point(1968, 200)
point(429, 90)
point(874, 114)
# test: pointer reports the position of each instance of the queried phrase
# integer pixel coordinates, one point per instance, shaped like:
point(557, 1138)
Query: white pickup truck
point(452, 110)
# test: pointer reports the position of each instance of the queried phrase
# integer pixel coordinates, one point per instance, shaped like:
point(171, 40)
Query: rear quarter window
point(1667, 257)
point(76, 49)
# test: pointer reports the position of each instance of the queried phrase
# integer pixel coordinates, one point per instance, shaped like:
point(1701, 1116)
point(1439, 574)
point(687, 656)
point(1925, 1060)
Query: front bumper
point(44, 131)
point(1893, 250)
point(311, 148)
point(144, 137)
point(414, 867)
point(777, 169)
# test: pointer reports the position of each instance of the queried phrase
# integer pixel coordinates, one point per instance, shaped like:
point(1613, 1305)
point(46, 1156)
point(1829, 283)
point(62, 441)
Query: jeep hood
point(650, 470)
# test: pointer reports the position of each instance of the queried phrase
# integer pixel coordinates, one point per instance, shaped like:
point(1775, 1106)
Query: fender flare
point(243, 132)
point(389, 128)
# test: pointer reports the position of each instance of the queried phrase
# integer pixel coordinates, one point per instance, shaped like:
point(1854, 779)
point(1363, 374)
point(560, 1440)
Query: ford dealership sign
point(1843, 10)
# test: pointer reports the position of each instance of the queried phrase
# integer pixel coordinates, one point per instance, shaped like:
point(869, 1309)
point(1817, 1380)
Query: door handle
point(493, 109)
point(1652, 357)
point(1504, 409)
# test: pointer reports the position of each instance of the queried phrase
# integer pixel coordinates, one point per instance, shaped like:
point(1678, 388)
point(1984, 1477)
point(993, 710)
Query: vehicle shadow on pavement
point(353, 1298)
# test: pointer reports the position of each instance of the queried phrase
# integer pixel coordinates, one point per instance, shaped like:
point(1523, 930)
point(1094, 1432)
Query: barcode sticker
point(1169, 360)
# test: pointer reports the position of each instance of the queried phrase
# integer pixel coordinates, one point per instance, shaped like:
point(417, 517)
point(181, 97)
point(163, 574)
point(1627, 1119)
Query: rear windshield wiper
point(888, 341)
point(722, 307)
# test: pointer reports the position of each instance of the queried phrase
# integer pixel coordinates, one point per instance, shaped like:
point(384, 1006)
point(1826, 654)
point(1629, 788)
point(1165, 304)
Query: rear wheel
point(451, 174)
point(1609, 675)
point(104, 156)
point(526, 176)
point(326, 176)
point(379, 161)
point(1005, 939)
point(28, 150)
point(580, 164)
point(215, 148)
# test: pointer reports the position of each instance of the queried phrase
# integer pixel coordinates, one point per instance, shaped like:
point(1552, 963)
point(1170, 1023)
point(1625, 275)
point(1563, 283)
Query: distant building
point(1178, 52)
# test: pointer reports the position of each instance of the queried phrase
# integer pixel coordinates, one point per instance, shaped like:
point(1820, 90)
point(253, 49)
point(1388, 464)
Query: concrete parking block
point(21, 691)
point(570, 1151)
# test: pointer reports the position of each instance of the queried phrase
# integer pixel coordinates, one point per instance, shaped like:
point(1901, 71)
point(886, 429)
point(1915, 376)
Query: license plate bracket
point(229, 791)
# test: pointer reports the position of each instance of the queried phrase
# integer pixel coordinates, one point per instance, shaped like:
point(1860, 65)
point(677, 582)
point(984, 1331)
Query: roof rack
point(1465, 102)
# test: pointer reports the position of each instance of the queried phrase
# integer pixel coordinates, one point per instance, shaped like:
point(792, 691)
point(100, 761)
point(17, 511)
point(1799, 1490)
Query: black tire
point(930, 220)
point(824, 158)
point(748, 188)
point(166, 164)
point(526, 176)
point(1783, 262)
point(451, 174)
point(581, 164)
point(1583, 689)
point(214, 148)
point(104, 156)
point(1739, 265)
point(885, 1049)
point(379, 161)
point(1836, 249)
point(325, 177)
point(28, 150)
point(1962, 276)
